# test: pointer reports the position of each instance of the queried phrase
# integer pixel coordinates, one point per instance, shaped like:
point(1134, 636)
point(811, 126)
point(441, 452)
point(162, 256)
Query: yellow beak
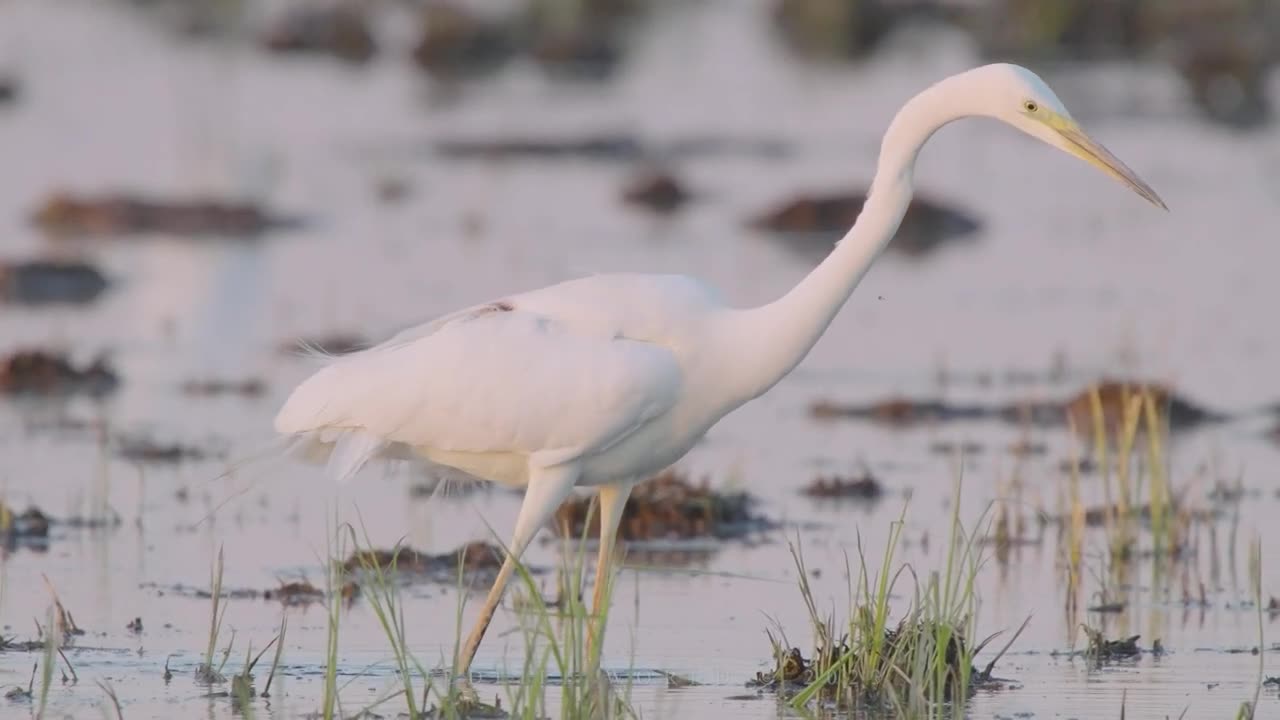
point(1092, 152)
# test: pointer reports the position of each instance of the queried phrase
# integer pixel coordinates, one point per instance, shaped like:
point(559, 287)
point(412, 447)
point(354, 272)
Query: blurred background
point(188, 188)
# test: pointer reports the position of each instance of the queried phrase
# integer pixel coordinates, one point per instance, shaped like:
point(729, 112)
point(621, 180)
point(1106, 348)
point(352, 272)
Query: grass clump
point(920, 663)
point(556, 666)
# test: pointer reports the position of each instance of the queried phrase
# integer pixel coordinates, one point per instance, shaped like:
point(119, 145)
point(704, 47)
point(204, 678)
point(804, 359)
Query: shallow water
point(1070, 271)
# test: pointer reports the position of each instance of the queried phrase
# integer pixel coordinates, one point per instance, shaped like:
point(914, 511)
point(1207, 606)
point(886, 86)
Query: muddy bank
point(1077, 410)
point(67, 214)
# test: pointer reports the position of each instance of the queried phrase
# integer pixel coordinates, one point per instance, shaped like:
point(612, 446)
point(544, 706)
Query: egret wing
point(501, 381)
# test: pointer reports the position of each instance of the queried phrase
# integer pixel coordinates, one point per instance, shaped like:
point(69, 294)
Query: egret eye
point(1030, 106)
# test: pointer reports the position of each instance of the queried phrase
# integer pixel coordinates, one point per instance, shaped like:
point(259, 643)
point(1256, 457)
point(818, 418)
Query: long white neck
point(774, 338)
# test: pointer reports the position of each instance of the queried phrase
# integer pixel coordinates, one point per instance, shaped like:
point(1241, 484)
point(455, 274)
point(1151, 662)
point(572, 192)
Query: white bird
point(606, 380)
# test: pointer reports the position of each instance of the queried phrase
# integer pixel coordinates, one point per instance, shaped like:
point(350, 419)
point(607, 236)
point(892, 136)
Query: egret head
point(1019, 97)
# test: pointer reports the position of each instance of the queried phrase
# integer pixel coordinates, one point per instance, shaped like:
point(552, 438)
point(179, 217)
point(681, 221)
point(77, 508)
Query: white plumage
point(557, 375)
point(606, 380)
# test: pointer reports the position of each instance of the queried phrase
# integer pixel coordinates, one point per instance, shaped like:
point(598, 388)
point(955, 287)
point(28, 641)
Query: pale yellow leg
point(547, 489)
point(613, 498)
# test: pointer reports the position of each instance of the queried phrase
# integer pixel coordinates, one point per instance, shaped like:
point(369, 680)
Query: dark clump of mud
point(657, 191)
point(298, 592)
point(1100, 648)
point(455, 42)
point(863, 487)
point(31, 524)
point(341, 31)
point(477, 559)
point(37, 372)
point(584, 40)
point(117, 215)
point(811, 223)
point(248, 388)
point(44, 282)
point(8, 89)
point(669, 507)
point(792, 672)
point(335, 344)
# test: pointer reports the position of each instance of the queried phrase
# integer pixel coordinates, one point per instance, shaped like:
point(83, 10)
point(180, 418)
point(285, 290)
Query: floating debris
point(42, 282)
point(812, 223)
point(1102, 649)
point(478, 559)
point(669, 507)
point(657, 191)
point(340, 30)
point(145, 450)
point(456, 43)
point(37, 372)
point(116, 215)
point(864, 487)
point(249, 388)
point(335, 344)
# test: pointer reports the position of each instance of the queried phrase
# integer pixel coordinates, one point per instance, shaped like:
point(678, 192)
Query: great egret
point(606, 380)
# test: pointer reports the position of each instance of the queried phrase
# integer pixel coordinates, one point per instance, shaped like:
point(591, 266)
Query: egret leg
point(613, 499)
point(548, 487)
